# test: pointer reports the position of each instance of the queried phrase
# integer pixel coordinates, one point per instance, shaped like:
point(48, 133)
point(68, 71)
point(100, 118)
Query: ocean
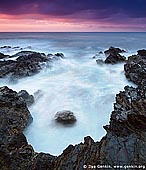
point(75, 83)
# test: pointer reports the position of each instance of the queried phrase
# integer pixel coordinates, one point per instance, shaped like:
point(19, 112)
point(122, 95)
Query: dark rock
point(60, 55)
point(135, 69)
point(142, 52)
point(100, 52)
point(28, 63)
point(15, 153)
point(14, 115)
point(114, 51)
point(5, 47)
point(115, 58)
point(65, 117)
point(55, 57)
point(23, 53)
point(43, 162)
point(2, 56)
point(29, 99)
point(129, 112)
point(7, 67)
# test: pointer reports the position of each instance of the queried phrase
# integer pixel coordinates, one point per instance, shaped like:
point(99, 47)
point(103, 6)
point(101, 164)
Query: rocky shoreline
point(123, 145)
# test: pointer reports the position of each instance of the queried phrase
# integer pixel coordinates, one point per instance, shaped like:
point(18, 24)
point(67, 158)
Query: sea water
point(75, 83)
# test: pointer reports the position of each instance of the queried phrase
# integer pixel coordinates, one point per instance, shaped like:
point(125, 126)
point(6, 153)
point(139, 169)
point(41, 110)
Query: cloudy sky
point(72, 15)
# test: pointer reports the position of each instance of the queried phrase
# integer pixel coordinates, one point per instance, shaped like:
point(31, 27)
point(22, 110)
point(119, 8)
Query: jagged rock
point(5, 47)
point(55, 57)
point(113, 50)
point(65, 117)
point(114, 56)
point(60, 55)
point(14, 115)
point(7, 67)
point(43, 162)
point(27, 63)
point(29, 99)
point(15, 152)
point(129, 114)
point(135, 69)
point(142, 52)
point(2, 56)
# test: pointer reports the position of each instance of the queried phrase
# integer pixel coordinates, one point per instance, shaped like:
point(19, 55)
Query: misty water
point(75, 83)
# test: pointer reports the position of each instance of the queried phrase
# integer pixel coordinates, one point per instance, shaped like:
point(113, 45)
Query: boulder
point(142, 52)
point(65, 117)
point(29, 99)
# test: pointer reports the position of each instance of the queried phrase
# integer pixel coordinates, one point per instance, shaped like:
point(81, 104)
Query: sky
point(72, 15)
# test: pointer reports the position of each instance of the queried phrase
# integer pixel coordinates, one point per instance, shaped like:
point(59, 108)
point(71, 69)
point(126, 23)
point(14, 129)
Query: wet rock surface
point(135, 69)
point(27, 63)
point(2, 56)
point(14, 114)
point(114, 50)
point(15, 152)
point(65, 117)
point(114, 56)
point(29, 99)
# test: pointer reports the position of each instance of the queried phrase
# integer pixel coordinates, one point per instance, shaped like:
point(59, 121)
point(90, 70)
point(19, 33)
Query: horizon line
point(73, 32)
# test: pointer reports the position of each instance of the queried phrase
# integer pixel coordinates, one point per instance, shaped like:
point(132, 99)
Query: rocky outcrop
point(27, 63)
point(114, 59)
point(65, 117)
point(15, 152)
point(114, 56)
point(114, 50)
point(14, 115)
point(2, 56)
point(55, 57)
point(29, 99)
point(142, 52)
point(135, 69)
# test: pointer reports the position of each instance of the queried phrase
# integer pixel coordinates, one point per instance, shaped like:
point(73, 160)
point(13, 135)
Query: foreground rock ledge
point(124, 143)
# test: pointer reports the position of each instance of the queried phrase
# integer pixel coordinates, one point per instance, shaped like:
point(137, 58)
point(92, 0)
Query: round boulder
point(65, 117)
